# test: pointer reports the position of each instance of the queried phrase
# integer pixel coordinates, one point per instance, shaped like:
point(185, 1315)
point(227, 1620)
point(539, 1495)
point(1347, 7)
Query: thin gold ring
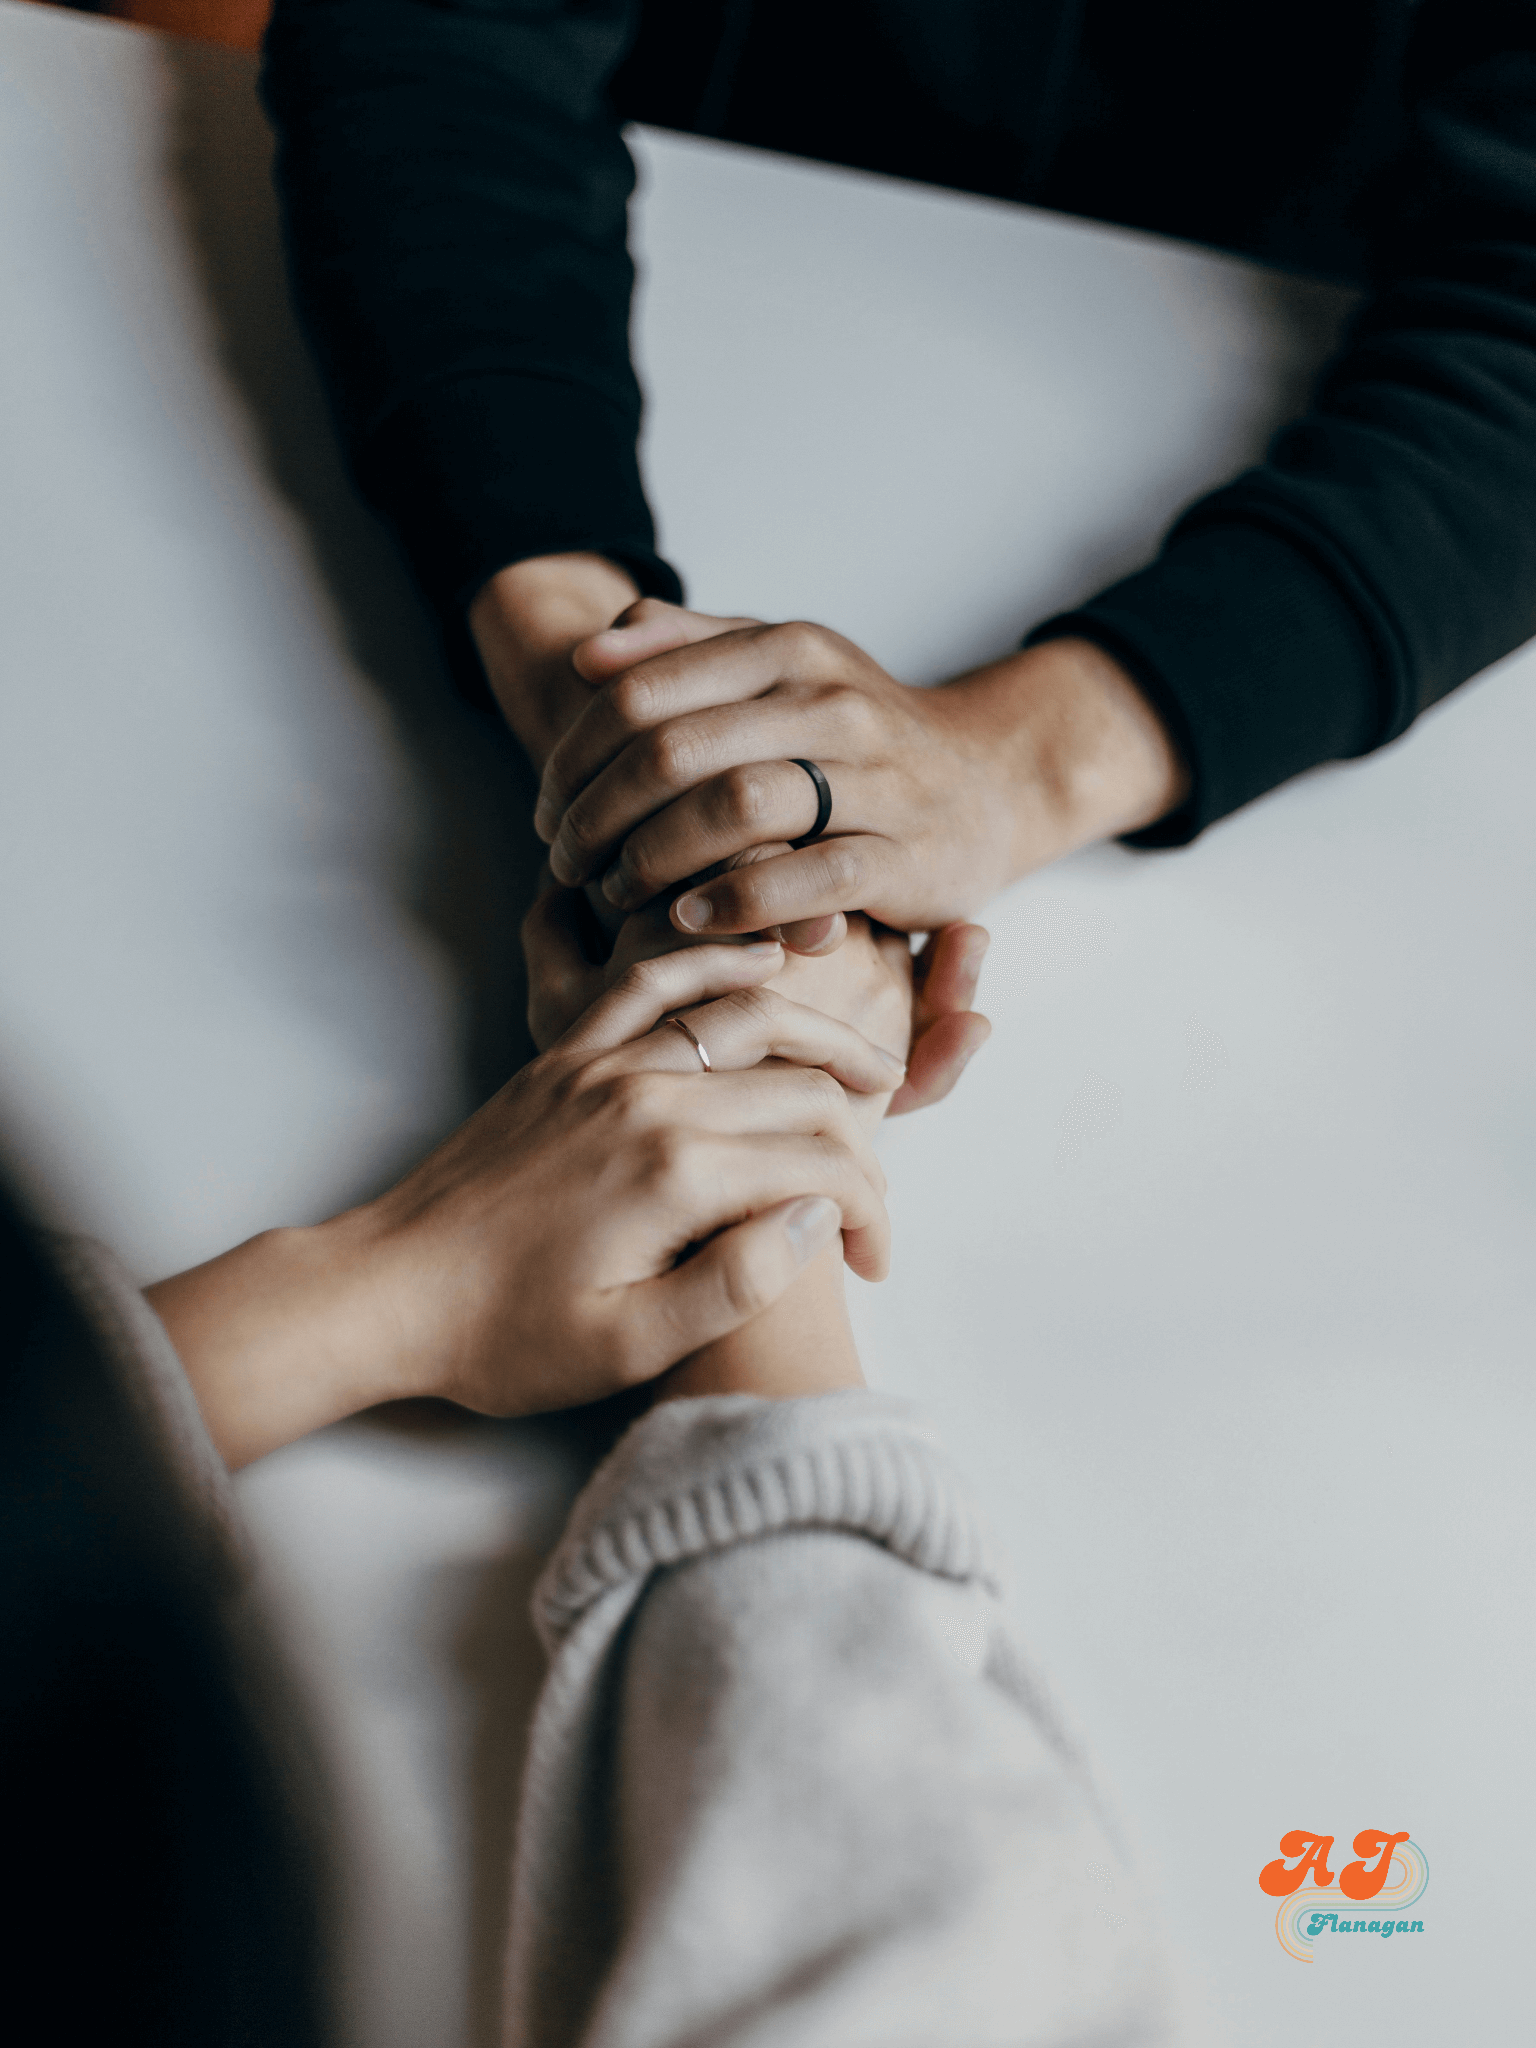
point(694, 1040)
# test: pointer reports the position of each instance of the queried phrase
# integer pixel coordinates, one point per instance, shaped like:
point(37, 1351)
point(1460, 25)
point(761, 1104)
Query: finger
point(753, 1024)
point(645, 992)
point(726, 668)
point(730, 1280)
point(768, 1099)
point(847, 873)
point(812, 936)
point(562, 981)
point(938, 1058)
point(947, 970)
point(649, 627)
point(727, 1178)
point(754, 803)
point(760, 739)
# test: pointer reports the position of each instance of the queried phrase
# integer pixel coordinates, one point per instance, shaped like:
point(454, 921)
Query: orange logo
point(1390, 1870)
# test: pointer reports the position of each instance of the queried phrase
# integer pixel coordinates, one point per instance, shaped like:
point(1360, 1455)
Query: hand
point(685, 756)
point(933, 1023)
point(804, 1344)
point(534, 1260)
point(526, 621)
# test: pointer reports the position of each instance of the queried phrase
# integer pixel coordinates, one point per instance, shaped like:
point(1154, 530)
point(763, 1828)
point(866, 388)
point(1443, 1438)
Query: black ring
point(823, 803)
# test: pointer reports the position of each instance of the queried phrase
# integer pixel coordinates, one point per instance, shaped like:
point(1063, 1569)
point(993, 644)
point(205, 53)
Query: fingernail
point(616, 887)
point(810, 1225)
point(561, 866)
point(693, 912)
point(895, 1059)
point(546, 820)
point(762, 947)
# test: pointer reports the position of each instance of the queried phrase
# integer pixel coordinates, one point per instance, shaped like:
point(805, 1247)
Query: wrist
point(526, 620)
point(1078, 747)
point(282, 1335)
point(802, 1345)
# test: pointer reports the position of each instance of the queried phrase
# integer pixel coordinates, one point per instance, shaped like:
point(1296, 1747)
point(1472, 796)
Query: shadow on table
point(481, 860)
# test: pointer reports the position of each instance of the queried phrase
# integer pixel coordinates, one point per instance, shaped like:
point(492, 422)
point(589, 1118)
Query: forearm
point(1076, 751)
point(802, 1345)
point(1384, 551)
point(454, 190)
point(526, 620)
point(281, 1336)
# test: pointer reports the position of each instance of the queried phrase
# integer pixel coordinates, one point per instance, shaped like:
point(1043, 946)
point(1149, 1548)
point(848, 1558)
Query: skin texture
point(527, 622)
point(685, 756)
point(667, 740)
point(533, 1260)
point(530, 623)
point(803, 1343)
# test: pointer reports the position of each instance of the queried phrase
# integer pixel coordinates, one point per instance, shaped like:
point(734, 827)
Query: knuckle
point(675, 757)
point(638, 1099)
point(800, 644)
point(842, 866)
point(639, 867)
point(758, 1008)
point(851, 707)
point(644, 979)
point(573, 1078)
point(665, 1155)
point(826, 1094)
point(741, 897)
point(746, 797)
point(633, 697)
point(579, 826)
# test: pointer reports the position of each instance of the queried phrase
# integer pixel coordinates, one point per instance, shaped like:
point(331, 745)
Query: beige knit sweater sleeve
point(790, 1782)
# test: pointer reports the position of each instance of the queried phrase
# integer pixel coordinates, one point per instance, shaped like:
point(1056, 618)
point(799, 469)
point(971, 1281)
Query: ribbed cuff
point(702, 1475)
point(1252, 656)
point(155, 1385)
point(476, 472)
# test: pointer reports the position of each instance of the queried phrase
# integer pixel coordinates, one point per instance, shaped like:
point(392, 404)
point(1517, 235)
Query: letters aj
point(1362, 1880)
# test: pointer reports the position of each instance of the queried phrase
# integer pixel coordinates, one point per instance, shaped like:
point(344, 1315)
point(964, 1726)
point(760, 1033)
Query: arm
point(534, 1260)
point(1386, 550)
point(1309, 611)
point(454, 194)
point(803, 1343)
point(790, 1778)
point(685, 756)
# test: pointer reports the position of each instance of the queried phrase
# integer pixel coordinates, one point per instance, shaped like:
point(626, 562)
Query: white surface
point(1220, 1267)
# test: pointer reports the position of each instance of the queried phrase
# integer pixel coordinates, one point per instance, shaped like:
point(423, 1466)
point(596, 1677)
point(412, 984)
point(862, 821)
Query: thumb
point(735, 1276)
point(650, 627)
point(938, 1057)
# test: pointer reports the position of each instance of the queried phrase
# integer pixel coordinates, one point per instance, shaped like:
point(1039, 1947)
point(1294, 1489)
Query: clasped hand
point(685, 756)
point(605, 1214)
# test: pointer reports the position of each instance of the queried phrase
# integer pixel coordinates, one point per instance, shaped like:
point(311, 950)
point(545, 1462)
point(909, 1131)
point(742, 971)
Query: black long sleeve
point(454, 190)
point(1386, 550)
point(454, 184)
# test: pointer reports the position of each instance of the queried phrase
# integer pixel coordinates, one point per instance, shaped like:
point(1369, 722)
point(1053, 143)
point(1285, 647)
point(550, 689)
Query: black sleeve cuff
point(1251, 655)
point(476, 472)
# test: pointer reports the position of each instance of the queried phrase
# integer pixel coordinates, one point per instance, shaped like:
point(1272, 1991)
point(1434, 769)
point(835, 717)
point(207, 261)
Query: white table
point(1220, 1267)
